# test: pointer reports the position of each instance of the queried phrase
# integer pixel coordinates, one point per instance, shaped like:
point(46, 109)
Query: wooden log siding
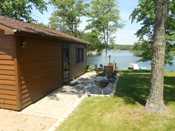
point(77, 69)
point(8, 85)
point(40, 64)
point(31, 62)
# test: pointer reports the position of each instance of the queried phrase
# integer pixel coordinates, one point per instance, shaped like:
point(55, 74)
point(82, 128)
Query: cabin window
point(79, 55)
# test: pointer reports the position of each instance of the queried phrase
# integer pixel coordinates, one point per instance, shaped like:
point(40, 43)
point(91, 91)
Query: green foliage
point(121, 47)
point(125, 47)
point(42, 24)
point(21, 9)
point(67, 14)
point(113, 46)
point(144, 51)
point(90, 68)
point(124, 111)
point(104, 19)
point(92, 37)
point(144, 14)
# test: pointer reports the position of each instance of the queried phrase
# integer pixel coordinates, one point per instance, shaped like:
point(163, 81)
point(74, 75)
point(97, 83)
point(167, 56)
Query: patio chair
point(108, 70)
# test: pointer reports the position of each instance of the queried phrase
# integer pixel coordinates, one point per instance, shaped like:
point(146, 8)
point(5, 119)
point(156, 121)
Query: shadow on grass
point(169, 90)
point(134, 87)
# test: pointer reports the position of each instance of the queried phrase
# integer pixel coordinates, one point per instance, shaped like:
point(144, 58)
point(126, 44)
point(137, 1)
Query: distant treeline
point(121, 47)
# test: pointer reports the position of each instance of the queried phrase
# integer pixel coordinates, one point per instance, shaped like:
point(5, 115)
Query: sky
point(123, 36)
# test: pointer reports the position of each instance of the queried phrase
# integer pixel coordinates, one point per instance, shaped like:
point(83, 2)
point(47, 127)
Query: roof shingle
point(35, 29)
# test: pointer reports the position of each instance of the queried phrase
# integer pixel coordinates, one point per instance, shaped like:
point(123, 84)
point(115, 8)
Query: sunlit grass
point(124, 111)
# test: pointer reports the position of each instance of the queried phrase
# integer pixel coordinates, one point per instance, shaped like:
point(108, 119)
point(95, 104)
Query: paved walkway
point(52, 110)
point(14, 121)
point(46, 114)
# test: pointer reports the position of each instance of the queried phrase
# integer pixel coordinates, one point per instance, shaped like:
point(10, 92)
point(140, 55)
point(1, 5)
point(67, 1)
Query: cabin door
point(66, 64)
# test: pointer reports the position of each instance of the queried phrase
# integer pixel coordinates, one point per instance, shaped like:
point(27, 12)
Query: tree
point(104, 18)
point(92, 37)
point(67, 14)
point(155, 102)
point(144, 14)
point(143, 50)
point(21, 9)
point(41, 24)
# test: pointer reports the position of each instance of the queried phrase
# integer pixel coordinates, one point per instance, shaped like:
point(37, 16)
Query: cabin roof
point(23, 27)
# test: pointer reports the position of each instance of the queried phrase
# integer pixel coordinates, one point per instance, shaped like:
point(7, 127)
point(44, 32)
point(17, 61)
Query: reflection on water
point(123, 58)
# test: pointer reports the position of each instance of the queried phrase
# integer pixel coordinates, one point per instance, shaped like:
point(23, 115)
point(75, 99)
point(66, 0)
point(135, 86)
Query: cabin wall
point(40, 65)
point(77, 69)
point(9, 97)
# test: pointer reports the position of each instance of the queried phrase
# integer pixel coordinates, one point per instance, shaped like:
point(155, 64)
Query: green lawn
point(124, 111)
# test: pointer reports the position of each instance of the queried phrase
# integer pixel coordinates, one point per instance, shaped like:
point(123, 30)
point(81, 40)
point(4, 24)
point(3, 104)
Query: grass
point(124, 111)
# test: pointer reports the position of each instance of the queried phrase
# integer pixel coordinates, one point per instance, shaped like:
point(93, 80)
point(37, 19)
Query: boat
point(133, 66)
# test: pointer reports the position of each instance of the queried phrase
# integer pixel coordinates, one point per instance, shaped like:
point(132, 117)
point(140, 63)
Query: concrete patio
point(49, 112)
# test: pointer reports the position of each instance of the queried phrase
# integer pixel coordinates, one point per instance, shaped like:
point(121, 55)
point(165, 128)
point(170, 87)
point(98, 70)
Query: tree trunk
point(106, 40)
point(155, 102)
point(106, 48)
point(106, 55)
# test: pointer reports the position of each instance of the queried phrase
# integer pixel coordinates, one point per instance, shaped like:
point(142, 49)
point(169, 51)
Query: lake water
point(123, 58)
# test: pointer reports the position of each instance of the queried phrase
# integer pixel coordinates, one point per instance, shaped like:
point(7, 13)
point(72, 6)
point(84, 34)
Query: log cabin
point(34, 61)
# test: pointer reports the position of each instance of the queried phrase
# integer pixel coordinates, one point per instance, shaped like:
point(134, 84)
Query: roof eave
point(23, 33)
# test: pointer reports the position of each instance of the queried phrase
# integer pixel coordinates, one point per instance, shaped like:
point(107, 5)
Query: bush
point(90, 68)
